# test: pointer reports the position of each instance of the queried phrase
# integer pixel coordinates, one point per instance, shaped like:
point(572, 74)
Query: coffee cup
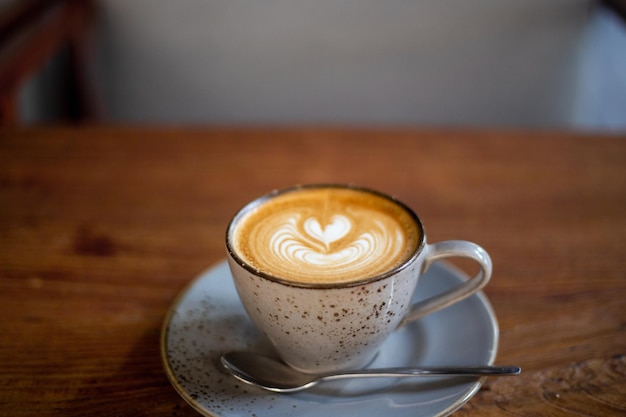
point(328, 272)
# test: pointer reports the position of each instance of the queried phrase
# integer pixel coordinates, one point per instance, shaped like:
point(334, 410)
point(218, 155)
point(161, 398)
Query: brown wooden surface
point(100, 228)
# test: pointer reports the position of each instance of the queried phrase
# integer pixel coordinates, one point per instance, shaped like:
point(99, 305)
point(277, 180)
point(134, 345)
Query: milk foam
point(326, 235)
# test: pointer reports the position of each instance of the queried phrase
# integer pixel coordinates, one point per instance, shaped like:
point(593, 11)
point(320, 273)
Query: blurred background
point(558, 64)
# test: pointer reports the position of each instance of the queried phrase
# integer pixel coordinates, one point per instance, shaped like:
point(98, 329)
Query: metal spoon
point(273, 375)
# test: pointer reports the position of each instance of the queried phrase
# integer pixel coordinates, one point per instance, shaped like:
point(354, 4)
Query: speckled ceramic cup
point(325, 314)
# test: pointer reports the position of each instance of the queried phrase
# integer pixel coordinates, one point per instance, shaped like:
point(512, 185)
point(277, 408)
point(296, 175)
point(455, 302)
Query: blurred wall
point(520, 63)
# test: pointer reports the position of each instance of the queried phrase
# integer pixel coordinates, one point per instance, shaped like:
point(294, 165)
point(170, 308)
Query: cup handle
point(449, 249)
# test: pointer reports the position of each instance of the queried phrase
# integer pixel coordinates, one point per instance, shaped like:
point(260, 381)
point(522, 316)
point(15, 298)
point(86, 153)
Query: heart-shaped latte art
point(305, 244)
point(326, 235)
point(337, 229)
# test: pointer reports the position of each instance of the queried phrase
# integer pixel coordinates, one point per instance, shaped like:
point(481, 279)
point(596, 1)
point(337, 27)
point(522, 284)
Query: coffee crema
point(326, 235)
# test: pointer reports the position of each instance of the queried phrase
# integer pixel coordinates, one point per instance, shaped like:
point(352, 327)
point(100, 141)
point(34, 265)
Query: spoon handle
point(428, 371)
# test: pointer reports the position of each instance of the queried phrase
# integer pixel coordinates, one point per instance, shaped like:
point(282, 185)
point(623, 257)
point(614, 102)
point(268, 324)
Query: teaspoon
point(273, 375)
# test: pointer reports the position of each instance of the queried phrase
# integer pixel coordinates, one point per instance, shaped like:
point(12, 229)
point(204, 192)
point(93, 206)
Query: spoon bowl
point(272, 375)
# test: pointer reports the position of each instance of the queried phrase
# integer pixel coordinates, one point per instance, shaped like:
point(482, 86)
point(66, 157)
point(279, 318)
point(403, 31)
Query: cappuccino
point(325, 235)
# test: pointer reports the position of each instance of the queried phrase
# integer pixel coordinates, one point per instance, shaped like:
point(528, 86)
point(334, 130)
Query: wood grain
point(100, 228)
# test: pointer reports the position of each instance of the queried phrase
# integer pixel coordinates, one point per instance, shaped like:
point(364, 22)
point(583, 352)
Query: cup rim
point(345, 284)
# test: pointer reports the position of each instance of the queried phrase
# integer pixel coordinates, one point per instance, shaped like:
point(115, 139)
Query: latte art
point(316, 249)
point(326, 235)
point(338, 228)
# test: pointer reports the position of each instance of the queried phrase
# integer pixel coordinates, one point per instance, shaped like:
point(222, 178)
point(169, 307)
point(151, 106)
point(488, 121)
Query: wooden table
point(101, 228)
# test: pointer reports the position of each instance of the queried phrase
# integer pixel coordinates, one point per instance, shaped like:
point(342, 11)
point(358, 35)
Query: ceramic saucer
point(208, 320)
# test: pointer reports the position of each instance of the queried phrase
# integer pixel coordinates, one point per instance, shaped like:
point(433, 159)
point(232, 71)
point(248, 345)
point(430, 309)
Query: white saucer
point(208, 320)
